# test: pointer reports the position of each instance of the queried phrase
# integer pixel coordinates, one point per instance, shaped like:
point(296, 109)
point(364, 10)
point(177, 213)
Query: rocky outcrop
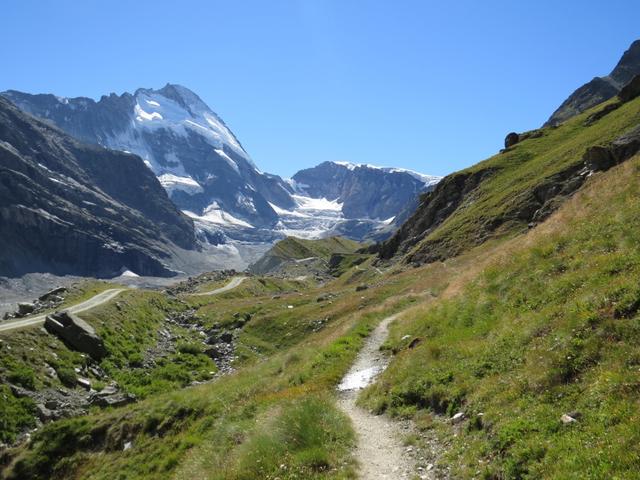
point(76, 333)
point(434, 208)
point(631, 90)
point(600, 88)
point(71, 208)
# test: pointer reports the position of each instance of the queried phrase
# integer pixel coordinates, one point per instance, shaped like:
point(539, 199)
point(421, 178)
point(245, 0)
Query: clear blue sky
point(432, 86)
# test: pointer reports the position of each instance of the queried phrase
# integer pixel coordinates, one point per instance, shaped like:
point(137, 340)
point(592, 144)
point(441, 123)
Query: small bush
point(67, 376)
point(23, 376)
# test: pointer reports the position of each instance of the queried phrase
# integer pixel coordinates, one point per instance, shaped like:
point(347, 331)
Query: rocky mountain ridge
point(599, 89)
point(208, 174)
point(71, 208)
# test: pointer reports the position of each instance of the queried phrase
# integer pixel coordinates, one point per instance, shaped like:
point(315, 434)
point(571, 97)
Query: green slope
point(550, 326)
point(292, 251)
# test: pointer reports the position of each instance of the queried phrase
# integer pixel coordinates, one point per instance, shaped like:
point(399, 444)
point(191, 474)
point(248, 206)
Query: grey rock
point(53, 294)
point(116, 400)
point(226, 337)
point(84, 383)
point(44, 413)
point(631, 90)
point(108, 390)
point(458, 418)
point(77, 333)
point(25, 308)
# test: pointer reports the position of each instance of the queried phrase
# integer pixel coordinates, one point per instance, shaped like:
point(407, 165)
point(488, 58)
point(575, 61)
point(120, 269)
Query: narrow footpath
point(379, 452)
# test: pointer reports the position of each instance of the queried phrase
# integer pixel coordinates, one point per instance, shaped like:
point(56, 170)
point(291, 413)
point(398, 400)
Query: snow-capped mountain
point(365, 191)
point(208, 174)
point(195, 156)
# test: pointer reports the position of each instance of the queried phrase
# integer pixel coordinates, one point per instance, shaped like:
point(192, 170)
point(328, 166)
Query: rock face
point(72, 208)
point(196, 157)
point(364, 191)
point(434, 208)
point(600, 88)
point(77, 333)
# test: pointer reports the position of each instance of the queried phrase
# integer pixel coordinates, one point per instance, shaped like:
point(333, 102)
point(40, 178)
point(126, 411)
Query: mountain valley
point(213, 321)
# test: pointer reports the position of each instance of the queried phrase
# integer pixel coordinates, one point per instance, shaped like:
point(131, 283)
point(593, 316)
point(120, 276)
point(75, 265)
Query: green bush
point(23, 376)
point(67, 375)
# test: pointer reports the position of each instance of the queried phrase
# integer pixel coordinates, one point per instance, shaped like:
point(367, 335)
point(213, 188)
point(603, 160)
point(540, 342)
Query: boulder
point(627, 145)
point(84, 383)
point(511, 139)
point(362, 287)
point(458, 417)
point(214, 352)
point(56, 292)
point(631, 90)
point(76, 333)
point(25, 309)
point(226, 337)
point(598, 158)
point(115, 400)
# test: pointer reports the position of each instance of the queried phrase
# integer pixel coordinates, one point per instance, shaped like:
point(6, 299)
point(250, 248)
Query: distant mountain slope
point(293, 251)
point(209, 175)
point(516, 188)
point(195, 156)
point(71, 208)
point(365, 191)
point(600, 88)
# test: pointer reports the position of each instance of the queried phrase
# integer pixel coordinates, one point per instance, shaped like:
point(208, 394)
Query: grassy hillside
point(548, 326)
point(275, 416)
point(294, 254)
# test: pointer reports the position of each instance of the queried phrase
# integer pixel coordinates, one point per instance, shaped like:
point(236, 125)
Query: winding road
point(98, 299)
point(235, 282)
point(379, 452)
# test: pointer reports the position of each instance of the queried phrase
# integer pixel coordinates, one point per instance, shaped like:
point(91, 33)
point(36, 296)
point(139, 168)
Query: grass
point(549, 326)
point(277, 399)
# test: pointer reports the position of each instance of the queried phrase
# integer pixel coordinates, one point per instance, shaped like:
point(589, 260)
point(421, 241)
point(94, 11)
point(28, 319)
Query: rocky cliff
point(71, 208)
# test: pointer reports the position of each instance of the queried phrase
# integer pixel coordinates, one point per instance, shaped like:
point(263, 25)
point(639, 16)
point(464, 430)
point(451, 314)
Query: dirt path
point(94, 301)
point(379, 452)
point(235, 282)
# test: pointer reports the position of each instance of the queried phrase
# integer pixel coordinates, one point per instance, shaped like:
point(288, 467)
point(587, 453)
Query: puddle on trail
point(359, 379)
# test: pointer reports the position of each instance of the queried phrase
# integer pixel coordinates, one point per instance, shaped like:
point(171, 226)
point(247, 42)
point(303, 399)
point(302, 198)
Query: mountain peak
point(183, 96)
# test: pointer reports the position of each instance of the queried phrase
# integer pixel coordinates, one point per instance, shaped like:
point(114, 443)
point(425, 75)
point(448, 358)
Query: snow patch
point(172, 183)
point(428, 180)
point(214, 214)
